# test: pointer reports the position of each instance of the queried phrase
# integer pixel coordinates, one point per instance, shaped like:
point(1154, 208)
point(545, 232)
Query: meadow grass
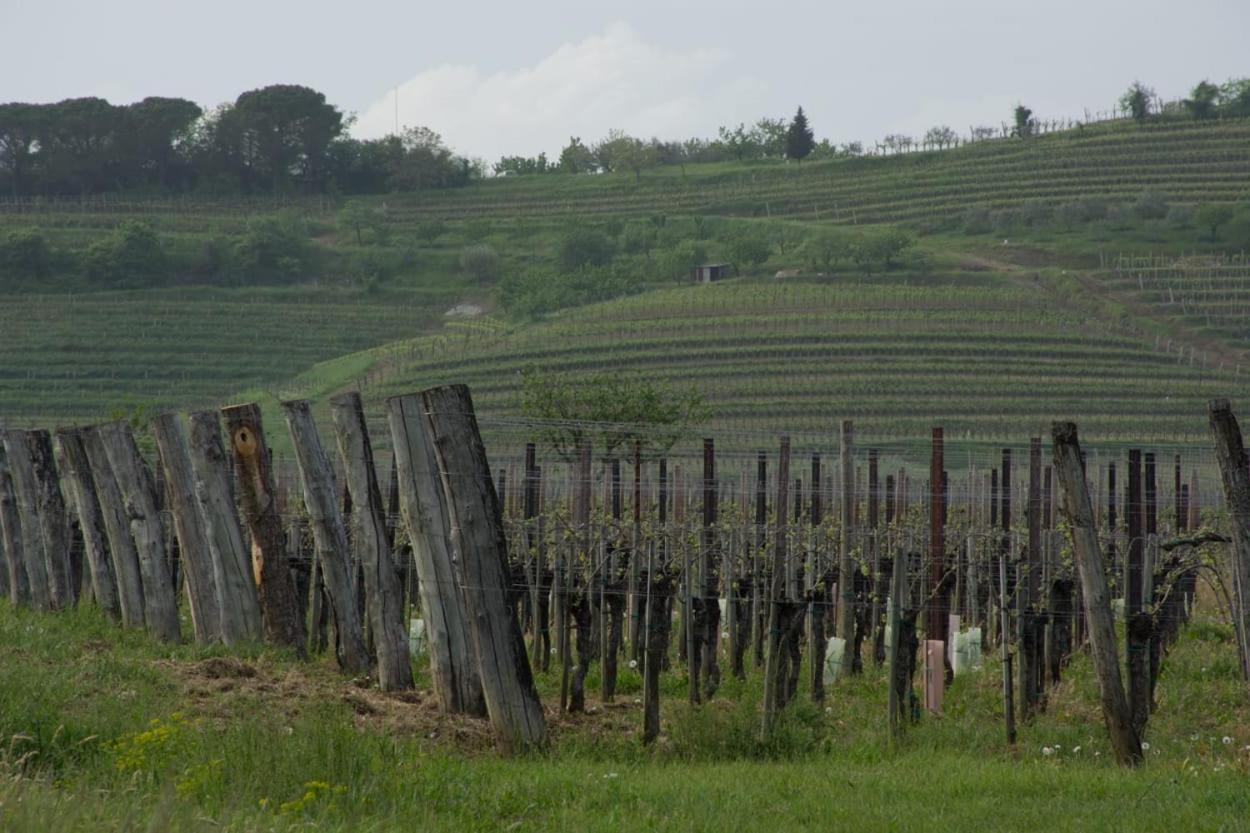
point(107, 730)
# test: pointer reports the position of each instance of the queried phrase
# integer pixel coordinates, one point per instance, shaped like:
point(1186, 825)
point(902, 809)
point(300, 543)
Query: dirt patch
point(217, 668)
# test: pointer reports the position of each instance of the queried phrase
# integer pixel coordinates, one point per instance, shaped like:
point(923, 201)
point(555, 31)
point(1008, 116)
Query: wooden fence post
point(236, 585)
point(26, 491)
point(160, 607)
point(453, 664)
point(122, 550)
point(76, 472)
point(11, 535)
point(53, 520)
point(384, 596)
point(774, 679)
point(478, 537)
point(333, 558)
point(1231, 454)
point(282, 616)
point(846, 565)
point(206, 610)
point(1089, 561)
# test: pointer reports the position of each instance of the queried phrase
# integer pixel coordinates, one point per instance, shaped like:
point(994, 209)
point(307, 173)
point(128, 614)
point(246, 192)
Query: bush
point(24, 255)
point(1181, 216)
point(584, 246)
point(480, 261)
point(638, 238)
point(273, 248)
point(131, 257)
point(1034, 213)
point(748, 248)
point(676, 263)
point(825, 251)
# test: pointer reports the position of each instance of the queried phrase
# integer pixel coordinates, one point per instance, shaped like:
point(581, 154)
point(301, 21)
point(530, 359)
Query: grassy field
point(102, 731)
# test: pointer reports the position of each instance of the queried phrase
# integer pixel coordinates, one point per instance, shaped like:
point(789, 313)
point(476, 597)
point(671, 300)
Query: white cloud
point(611, 80)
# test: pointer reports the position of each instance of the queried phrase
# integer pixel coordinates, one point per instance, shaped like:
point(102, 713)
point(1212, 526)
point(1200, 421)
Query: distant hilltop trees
point(287, 139)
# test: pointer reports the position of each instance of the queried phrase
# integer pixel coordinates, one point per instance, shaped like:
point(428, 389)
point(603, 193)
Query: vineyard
point(983, 361)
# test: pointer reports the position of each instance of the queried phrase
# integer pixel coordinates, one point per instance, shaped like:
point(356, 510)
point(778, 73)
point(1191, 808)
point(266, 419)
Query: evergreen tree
point(799, 137)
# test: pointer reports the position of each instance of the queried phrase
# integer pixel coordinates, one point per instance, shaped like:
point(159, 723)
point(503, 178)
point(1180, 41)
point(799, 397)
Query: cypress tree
point(799, 137)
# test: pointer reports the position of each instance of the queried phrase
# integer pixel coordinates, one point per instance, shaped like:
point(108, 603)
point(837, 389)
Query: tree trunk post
point(332, 557)
point(232, 569)
point(11, 535)
point(160, 607)
point(1231, 454)
point(76, 472)
point(26, 490)
point(206, 610)
point(121, 544)
point(282, 616)
point(384, 596)
point(53, 520)
point(478, 538)
point(1077, 509)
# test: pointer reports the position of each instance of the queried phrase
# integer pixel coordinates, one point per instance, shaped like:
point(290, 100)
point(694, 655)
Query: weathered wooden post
point(1231, 455)
point(76, 472)
point(232, 567)
point(53, 521)
point(453, 662)
point(1137, 619)
point(1031, 618)
point(478, 538)
point(774, 680)
point(282, 616)
point(160, 608)
point(206, 612)
point(11, 535)
point(707, 617)
point(939, 607)
point(1081, 526)
point(846, 565)
point(26, 490)
point(384, 596)
point(333, 558)
point(121, 543)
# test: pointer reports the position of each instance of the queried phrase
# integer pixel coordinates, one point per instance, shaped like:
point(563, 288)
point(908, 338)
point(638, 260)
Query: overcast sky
point(520, 77)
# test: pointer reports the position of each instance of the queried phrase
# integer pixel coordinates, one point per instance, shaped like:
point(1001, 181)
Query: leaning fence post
point(122, 550)
point(453, 664)
point(53, 521)
point(1231, 454)
point(384, 597)
point(11, 535)
point(76, 472)
point(139, 496)
point(1089, 561)
point(281, 614)
point(329, 536)
point(206, 612)
point(25, 490)
point(478, 536)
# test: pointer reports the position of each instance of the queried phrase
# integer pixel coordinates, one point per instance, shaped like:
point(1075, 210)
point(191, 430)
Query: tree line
point(282, 138)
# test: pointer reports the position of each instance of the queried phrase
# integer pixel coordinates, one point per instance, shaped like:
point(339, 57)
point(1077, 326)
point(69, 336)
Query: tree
point(1212, 216)
point(576, 158)
point(480, 261)
point(940, 137)
point(1025, 124)
point(431, 230)
point(1201, 101)
point(770, 136)
point(283, 131)
point(131, 257)
point(738, 143)
point(1137, 100)
point(584, 246)
point(824, 251)
point(155, 128)
point(1235, 97)
point(609, 409)
point(20, 128)
point(358, 217)
point(748, 247)
point(800, 140)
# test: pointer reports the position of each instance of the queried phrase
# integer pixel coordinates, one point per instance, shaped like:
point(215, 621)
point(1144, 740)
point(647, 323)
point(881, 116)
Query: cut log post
point(453, 664)
point(332, 559)
point(774, 677)
point(26, 490)
point(53, 520)
point(189, 526)
point(11, 535)
point(1079, 512)
point(384, 596)
point(282, 616)
point(122, 552)
point(232, 569)
point(160, 607)
point(481, 546)
point(76, 473)
point(1231, 454)
point(846, 564)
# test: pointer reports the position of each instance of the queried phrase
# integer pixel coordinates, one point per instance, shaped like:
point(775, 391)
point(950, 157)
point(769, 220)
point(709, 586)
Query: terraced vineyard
point(82, 358)
point(1208, 295)
point(1187, 161)
point(983, 362)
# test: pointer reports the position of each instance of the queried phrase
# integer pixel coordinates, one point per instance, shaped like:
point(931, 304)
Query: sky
point(496, 78)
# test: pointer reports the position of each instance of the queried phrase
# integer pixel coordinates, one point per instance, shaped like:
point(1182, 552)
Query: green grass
point(102, 730)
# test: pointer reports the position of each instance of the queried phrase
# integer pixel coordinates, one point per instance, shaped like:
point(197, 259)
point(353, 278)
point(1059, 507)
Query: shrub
point(480, 261)
point(1034, 213)
point(24, 255)
point(1150, 206)
point(273, 248)
point(130, 257)
point(1181, 216)
point(584, 246)
point(976, 220)
point(748, 247)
